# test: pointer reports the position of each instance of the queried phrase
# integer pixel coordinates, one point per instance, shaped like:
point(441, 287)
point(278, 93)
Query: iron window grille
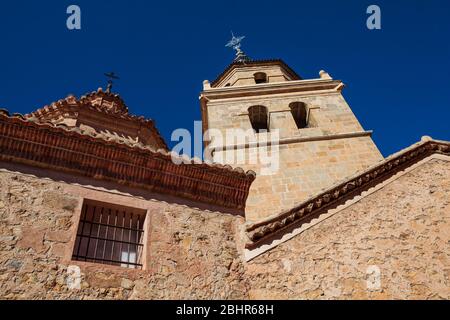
point(110, 235)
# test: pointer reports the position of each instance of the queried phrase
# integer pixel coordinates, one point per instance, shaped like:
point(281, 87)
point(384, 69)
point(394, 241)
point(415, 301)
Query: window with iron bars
point(110, 234)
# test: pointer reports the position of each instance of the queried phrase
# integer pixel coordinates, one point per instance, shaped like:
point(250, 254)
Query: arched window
point(258, 118)
point(260, 77)
point(299, 113)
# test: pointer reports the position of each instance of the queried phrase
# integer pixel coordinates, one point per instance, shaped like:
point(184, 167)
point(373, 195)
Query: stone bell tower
point(320, 141)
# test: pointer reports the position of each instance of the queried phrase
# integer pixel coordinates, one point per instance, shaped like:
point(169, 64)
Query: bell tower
point(319, 139)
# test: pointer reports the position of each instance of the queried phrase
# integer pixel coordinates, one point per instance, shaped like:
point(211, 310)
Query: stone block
point(32, 238)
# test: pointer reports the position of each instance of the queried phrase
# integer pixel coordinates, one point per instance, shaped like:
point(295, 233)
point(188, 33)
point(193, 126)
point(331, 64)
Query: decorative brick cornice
point(262, 232)
point(105, 106)
point(72, 150)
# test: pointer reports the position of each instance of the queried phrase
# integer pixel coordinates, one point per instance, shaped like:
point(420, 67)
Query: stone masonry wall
point(305, 169)
point(330, 113)
point(402, 230)
point(191, 252)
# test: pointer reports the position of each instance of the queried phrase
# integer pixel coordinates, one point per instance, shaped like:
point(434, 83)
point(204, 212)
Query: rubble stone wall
point(391, 244)
point(191, 252)
point(399, 235)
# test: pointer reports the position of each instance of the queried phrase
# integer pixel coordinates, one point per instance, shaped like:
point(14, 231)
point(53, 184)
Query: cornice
point(72, 150)
point(312, 85)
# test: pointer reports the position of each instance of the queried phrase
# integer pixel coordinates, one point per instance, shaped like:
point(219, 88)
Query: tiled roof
point(264, 231)
point(255, 63)
point(48, 145)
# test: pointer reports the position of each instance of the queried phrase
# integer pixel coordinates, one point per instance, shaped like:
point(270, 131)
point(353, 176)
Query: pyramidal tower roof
point(249, 65)
point(243, 69)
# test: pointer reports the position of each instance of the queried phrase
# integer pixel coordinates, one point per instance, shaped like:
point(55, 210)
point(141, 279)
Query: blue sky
point(397, 78)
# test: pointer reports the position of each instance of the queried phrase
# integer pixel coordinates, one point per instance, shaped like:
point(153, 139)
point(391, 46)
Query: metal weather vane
point(235, 43)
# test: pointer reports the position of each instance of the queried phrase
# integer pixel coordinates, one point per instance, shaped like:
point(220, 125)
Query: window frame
point(142, 260)
point(251, 115)
point(306, 113)
point(256, 78)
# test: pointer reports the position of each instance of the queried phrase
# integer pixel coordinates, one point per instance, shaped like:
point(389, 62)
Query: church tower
point(320, 141)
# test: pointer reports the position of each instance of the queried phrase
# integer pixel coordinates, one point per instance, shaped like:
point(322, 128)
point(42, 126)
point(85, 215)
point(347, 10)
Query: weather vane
point(111, 76)
point(235, 43)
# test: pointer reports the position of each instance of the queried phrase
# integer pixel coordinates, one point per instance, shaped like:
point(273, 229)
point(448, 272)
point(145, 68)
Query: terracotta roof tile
point(88, 153)
point(72, 106)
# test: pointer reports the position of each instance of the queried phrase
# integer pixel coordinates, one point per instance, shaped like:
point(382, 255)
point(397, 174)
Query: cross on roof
point(111, 76)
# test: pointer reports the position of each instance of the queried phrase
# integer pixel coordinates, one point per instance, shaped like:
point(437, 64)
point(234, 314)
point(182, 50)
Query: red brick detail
point(56, 147)
point(107, 110)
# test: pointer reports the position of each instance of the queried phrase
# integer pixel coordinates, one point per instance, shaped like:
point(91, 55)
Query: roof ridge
point(71, 98)
point(82, 102)
point(75, 151)
point(123, 142)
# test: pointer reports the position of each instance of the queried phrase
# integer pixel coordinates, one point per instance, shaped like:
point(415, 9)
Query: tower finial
point(235, 43)
point(110, 76)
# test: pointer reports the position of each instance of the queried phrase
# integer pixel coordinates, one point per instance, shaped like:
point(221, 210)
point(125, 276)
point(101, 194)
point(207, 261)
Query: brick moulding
point(57, 148)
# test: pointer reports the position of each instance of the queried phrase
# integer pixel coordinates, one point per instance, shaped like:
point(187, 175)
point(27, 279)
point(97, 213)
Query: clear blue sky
point(398, 78)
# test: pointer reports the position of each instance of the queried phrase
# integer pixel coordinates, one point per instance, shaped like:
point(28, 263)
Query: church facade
point(92, 205)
